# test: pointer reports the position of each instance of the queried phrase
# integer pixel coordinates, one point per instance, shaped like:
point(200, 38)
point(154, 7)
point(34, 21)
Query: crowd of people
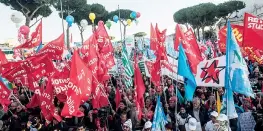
point(199, 115)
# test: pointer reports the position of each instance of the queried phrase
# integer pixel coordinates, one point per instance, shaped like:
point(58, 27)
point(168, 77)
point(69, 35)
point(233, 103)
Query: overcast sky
point(155, 11)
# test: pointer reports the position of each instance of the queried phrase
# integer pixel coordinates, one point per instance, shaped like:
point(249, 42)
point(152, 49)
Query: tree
point(140, 34)
point(225, 9)
point(30, 8)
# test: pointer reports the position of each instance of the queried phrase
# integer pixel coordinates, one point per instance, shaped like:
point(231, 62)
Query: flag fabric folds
point(159, 118)
point(236, 76)
point(185, 71)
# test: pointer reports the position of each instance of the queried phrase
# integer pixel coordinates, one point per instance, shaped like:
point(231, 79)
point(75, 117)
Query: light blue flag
point(159, 118)
point(236, 67)
point(185, 71)
point(39, 47)
point(229, 105)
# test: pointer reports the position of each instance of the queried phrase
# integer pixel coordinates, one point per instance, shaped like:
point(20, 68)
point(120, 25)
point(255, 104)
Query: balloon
point(129, 22)
point(70, 20)
point(115, 18)
point(92, 17)
point(138, 15)
point(108, 24)
point(17, 17)
point(24, 30)
point(133, 15)
point(84, 23)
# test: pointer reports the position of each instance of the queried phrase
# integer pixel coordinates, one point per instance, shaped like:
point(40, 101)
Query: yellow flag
point(218, 103)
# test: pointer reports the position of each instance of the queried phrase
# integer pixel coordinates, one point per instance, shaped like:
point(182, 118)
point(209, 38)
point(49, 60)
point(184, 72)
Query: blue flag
point(39, 47)
point(185, 71)
point(236, 67)
point(159, 118)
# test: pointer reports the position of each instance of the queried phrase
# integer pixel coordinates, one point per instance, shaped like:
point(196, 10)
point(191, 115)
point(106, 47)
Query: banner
point(238, 33)
point(211, 73)
point(253, 32)
point(173, 64)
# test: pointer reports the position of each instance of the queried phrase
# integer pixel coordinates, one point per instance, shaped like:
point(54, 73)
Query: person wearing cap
point(210, 125)
point(191, 125)
point(147, 126)
point(223, 123)
point(127, 126)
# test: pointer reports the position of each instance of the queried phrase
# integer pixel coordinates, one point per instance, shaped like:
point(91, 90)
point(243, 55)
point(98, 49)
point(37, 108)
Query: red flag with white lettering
point(36, 38)
point(4, 96)
point(161, 48)
point(153, 39)
point(253, 32)
point(54, 49)
point(79, 86)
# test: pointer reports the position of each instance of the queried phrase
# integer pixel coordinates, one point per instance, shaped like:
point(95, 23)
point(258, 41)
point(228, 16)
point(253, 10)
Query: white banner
point(166, 69)
point(211, 73)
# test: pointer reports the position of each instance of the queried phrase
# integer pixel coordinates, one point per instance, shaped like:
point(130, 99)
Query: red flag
point(105, 45)
point(4, 96)
point(253, 32)
point(161, 49)
point(153, 39)
point(117, 98)
point(79, 86)
point(54, 49)
point(191, 49)
point(3, 59)
point(36, 38)
point(179, 36)
point(139, 88)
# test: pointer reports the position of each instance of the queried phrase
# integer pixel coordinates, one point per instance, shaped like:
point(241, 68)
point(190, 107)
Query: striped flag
point(128, 69)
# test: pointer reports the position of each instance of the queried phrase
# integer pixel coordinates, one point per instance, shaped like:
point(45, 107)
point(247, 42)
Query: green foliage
point(124, 14)
point(226, 8)
point(100, 12)
point(180, 16)
point(31, 8)
point(140, 34)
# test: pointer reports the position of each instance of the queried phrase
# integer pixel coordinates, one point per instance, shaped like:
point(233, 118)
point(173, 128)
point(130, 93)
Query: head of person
point(223, 121)
point(81, 128)
point(196, 103)
point(148, 102)
point(123, 117)
point(122, 105)
point(213, 116)
point(172, 101)
point(19, 108)
point(127, 126)
point(13, 106)
point(191, 125)
point(147, 126)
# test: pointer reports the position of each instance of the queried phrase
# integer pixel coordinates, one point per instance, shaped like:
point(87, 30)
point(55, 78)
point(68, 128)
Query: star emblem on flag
point(211, 72)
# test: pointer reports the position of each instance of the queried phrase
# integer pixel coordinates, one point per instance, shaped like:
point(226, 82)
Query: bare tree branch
point(36, 10)
point(23, 7)
point(35, 22)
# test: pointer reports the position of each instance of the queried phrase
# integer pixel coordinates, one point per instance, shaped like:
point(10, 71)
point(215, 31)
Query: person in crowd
point(210, 125)
point(191, 125)
point(223, 123)
point(147, 126)
point(199, 113)
point(127, 126)
point(182, 116)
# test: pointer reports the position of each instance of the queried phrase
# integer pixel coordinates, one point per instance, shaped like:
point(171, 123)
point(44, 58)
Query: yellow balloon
point(92, 17)
point(129, 22)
